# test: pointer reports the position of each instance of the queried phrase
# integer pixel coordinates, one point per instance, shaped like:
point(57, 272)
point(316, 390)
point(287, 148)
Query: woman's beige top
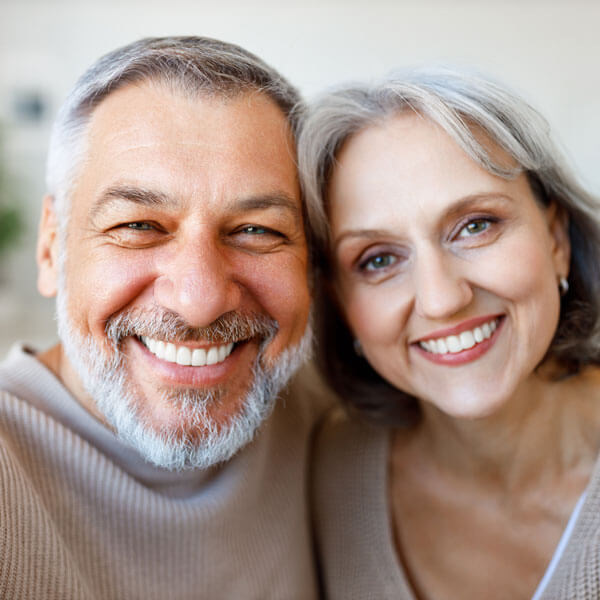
point(354, 533)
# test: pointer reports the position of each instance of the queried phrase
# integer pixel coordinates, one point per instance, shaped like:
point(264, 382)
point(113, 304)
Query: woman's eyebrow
point(359, 233)
point(464, 204)
point(456, 209)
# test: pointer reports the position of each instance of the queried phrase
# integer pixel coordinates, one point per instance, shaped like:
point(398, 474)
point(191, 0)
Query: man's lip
point(202, 376)
point(194, 345)
point(457, 329)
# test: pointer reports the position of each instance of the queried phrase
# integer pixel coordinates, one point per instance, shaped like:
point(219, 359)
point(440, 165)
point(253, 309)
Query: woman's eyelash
point(377, 261)
point(475, 226)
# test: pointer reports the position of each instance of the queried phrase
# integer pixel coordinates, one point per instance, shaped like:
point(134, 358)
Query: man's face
point(185, 241)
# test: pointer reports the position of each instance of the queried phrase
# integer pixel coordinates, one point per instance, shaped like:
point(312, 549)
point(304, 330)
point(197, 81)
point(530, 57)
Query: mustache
point(162, 324)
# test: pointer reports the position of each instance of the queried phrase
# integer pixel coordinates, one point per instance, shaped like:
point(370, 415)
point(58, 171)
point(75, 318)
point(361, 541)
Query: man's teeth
point(457, 343)
point(182, 355)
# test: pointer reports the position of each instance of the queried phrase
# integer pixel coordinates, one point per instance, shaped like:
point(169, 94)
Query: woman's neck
point(546, 429)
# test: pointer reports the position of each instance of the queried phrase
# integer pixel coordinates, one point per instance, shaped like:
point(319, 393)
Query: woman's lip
point(456, 329)
point(464, 356)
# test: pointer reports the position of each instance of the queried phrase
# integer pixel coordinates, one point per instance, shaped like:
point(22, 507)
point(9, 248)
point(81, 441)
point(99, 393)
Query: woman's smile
point(461, 344)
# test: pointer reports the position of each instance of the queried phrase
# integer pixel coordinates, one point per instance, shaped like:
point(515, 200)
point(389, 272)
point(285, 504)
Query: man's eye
point(474, 227)
point(259, 230)
point(140, 226)
point(255, 230)
point(374, 263)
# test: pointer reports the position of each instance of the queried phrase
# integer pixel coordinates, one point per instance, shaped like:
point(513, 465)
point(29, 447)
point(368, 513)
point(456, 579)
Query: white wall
point(546, 49)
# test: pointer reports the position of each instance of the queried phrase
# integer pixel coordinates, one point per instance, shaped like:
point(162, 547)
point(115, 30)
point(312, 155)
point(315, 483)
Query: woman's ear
point(47, 249)
point(558, 225)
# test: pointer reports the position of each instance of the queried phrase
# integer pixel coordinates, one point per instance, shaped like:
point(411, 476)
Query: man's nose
point(441, 288)
point(198, 282)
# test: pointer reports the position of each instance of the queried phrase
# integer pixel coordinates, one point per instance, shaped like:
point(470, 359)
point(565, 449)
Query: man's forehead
point(154, 107)
point(152, 146)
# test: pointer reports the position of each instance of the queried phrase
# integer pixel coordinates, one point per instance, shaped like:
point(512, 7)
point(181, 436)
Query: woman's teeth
point(463, 341)
point(182, 355)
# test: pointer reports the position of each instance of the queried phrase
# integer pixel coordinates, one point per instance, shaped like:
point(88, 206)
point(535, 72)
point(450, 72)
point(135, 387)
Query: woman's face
point(447, 274)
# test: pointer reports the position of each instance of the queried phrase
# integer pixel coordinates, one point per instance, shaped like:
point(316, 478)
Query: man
point(139, 458)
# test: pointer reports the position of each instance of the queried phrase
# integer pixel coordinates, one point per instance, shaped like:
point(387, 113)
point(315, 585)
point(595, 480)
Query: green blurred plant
point(11, 219)
point(11, 227)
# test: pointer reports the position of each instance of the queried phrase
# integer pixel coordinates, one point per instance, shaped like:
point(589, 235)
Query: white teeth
point(453, 343)
point(212, 356)
point(463, 341)
point(170, 353)
point(182, 355)
point(199, 357)
point(467, 339)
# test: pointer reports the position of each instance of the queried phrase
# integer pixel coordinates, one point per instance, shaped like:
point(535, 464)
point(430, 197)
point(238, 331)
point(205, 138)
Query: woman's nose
point(441, 288)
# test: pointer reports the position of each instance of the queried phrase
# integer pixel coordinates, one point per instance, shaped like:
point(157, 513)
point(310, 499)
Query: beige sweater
point(354, 533)
point(82, 516)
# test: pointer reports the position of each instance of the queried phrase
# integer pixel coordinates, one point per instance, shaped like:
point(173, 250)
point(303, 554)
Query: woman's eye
point(374, 263)
point(474, 227)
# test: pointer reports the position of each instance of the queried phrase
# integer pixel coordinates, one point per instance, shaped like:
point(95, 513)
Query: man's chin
point(182, 414)
point(178, 428)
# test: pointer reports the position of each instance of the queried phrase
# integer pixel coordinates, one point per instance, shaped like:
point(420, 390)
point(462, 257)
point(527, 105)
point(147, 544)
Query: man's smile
point(183, 355)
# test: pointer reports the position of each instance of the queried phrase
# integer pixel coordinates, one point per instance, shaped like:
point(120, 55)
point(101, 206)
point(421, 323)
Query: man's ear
point(47, 249)
point(558, 224)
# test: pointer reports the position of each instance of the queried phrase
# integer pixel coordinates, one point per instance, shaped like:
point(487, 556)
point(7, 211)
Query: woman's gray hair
point(191, 65)
point(464, 105)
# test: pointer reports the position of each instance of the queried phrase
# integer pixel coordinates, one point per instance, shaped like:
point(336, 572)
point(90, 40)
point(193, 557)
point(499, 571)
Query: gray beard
point(105, 380)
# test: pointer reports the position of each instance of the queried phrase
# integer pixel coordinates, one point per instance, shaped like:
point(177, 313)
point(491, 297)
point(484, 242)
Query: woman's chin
point(469, 406)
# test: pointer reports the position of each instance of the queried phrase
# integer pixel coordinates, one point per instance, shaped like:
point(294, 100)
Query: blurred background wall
point(548, 50)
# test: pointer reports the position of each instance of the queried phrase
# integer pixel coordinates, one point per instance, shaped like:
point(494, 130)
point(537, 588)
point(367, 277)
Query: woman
point(461, 276)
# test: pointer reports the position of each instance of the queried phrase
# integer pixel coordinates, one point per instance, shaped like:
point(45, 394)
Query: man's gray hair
point(191, 65)
point(476, 113)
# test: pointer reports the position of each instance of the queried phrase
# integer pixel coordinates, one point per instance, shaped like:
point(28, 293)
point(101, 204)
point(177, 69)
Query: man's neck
point(56, 361)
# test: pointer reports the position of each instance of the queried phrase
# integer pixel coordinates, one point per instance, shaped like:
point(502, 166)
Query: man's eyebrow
point(275, 200)
point(129, 193)
point(278, 200)
point(152, 198)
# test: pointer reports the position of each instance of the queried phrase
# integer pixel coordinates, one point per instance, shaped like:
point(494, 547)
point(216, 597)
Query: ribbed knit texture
point(354, 533)
point(75, 525)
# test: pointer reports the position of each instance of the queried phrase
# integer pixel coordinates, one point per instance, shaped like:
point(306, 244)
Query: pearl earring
point(563, 286)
